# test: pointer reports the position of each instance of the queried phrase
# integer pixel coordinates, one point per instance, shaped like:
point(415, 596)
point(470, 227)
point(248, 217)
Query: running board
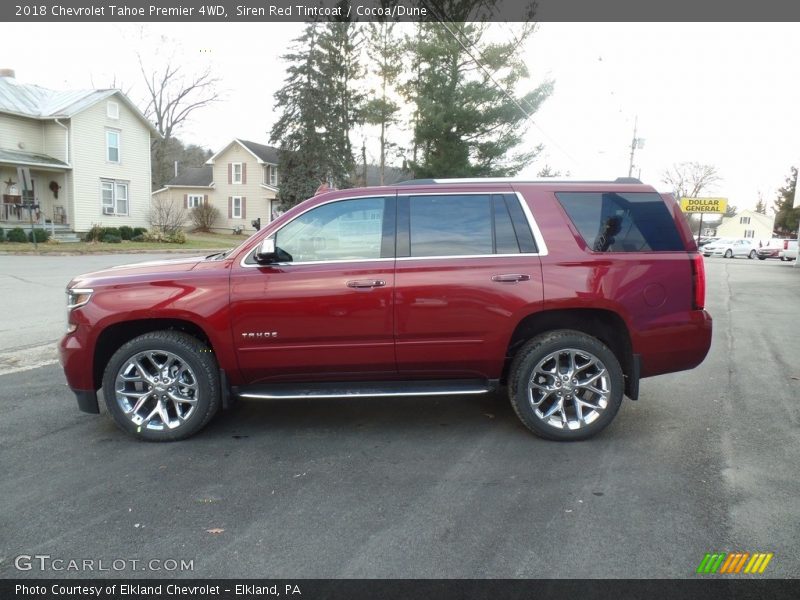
point(369, 389)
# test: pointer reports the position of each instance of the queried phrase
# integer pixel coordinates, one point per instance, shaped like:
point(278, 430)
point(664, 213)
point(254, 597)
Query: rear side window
point(462, 225)
point(622, 222)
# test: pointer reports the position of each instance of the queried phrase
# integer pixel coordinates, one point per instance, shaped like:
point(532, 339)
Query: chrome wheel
point(156, 390)
point(569, 389)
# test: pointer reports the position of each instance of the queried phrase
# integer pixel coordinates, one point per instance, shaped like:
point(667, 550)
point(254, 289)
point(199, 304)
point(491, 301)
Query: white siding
point(54, 140)
point(88, 153)
point(21, 134)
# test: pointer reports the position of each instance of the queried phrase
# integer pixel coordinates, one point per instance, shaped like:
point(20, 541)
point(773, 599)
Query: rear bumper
point(679, 347)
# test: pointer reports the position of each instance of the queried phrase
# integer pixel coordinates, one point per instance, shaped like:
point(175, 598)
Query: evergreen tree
point(467, 122)
point(386, 52)
point(319, 107)
point(786, 217)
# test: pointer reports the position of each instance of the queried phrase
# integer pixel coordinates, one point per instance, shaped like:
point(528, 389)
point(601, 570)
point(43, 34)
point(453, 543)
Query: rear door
point(467, 265)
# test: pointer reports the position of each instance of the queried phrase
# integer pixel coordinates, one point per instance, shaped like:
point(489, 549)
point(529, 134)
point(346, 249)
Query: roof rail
point(515, 180)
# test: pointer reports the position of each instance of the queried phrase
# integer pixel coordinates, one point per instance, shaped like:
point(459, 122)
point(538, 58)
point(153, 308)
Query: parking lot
point(705, 461)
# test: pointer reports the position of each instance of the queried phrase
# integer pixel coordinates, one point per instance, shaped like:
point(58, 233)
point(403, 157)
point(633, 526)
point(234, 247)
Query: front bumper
point(87, 401)
point(77, 363)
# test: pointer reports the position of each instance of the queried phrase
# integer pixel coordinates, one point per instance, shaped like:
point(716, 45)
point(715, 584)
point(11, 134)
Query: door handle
point(511, 277)
point(365, 283)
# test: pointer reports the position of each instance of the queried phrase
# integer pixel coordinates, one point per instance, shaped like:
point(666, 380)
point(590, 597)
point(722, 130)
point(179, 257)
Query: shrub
point(174, 237)
point(166, 215)
point(111, 231)
point(126, 232)
point(138, 231)
point(204, 216)
point(142, 237)
point(2, 235)
point(42, 235)
point(110, 238)
point(17, 235)
point(94, 234)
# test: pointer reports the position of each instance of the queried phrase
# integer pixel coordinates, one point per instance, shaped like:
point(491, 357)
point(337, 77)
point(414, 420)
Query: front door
point(324, 312)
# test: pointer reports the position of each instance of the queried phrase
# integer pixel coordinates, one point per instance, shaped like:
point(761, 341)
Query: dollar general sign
point(704, 205)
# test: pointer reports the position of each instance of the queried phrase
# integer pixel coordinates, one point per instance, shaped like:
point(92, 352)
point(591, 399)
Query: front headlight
point(78, 297)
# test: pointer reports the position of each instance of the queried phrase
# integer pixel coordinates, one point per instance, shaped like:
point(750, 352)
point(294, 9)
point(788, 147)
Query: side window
point(622, 222)
point(450, 225)
point(345, 230)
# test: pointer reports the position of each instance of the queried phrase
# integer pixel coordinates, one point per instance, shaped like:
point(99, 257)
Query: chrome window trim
point(537, 234)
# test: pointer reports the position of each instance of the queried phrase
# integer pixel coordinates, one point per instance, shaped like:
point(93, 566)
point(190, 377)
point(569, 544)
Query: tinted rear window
point(622, 222)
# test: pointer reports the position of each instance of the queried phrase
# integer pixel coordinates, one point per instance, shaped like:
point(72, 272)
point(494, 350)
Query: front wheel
point(728, 253)
point(162, 386)
point(565, 385)
point(752, 254)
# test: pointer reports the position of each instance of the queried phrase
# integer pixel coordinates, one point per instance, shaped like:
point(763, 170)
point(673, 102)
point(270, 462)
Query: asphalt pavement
point(705, 461)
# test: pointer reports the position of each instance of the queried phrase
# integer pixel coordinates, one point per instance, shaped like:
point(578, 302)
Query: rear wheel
point(162, 386)
point(565, 385)
point(728, 253)
point(752, 254)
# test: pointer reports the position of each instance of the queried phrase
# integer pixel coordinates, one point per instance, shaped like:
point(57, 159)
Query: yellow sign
point(704, 205)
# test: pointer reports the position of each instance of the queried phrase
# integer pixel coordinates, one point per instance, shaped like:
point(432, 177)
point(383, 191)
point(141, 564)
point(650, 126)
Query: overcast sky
point(723, 94)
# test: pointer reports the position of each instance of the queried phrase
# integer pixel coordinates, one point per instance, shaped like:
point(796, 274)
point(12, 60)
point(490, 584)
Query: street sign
point(704, 205)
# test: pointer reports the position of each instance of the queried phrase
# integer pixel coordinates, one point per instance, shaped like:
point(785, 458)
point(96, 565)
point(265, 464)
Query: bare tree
point(690, 179)
point(172, 96)
point(166, 217)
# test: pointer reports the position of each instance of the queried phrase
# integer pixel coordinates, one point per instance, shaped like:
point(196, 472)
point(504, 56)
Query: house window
point(273, 176)
point(194, 200)
point(749, 233)
point(744, 221)
point(236, 173)
point(112, 146)
point(112, 110)
point(114, 196)
point(236, 207)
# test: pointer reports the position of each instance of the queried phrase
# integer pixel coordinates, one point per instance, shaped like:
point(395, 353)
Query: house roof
point(30, 159)
point(35, 102)
point(261, 152)
point(391, 175)
point(193, 177)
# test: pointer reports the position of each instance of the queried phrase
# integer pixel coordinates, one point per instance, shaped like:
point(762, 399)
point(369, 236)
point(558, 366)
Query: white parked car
point(789, 251)
point(731, 248)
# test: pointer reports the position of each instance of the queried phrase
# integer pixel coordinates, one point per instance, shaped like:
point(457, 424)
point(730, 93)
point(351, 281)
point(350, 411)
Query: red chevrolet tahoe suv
point(565, 292)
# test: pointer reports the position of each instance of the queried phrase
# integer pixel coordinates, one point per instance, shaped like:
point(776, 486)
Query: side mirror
point(266, 253)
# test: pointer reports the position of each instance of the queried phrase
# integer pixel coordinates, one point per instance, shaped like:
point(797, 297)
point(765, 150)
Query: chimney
point(8, 73)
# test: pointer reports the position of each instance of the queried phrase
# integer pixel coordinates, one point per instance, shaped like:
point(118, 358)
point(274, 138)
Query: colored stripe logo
point(734, 563)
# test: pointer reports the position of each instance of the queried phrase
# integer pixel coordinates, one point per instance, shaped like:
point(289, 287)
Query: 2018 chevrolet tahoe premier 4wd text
point(566, 292)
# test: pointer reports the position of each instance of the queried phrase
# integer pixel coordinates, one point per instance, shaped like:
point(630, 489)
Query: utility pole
point(636, 142)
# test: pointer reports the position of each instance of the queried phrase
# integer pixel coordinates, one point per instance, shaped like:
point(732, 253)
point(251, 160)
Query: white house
point(87, 151)
point(747, 224)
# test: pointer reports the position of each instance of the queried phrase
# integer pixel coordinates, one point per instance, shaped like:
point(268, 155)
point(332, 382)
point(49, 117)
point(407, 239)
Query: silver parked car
point(731, 248)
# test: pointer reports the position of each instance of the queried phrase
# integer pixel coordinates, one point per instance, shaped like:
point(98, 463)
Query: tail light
point(698, 282)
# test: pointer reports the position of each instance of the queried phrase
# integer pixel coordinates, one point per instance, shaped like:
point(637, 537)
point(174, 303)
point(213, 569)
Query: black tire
point(752, 254)
point(728, 253)
point(762, 258)
point(197, 382)
point(560, 342)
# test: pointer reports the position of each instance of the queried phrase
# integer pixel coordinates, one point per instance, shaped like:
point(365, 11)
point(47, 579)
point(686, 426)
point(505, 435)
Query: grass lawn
point(194, 241)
